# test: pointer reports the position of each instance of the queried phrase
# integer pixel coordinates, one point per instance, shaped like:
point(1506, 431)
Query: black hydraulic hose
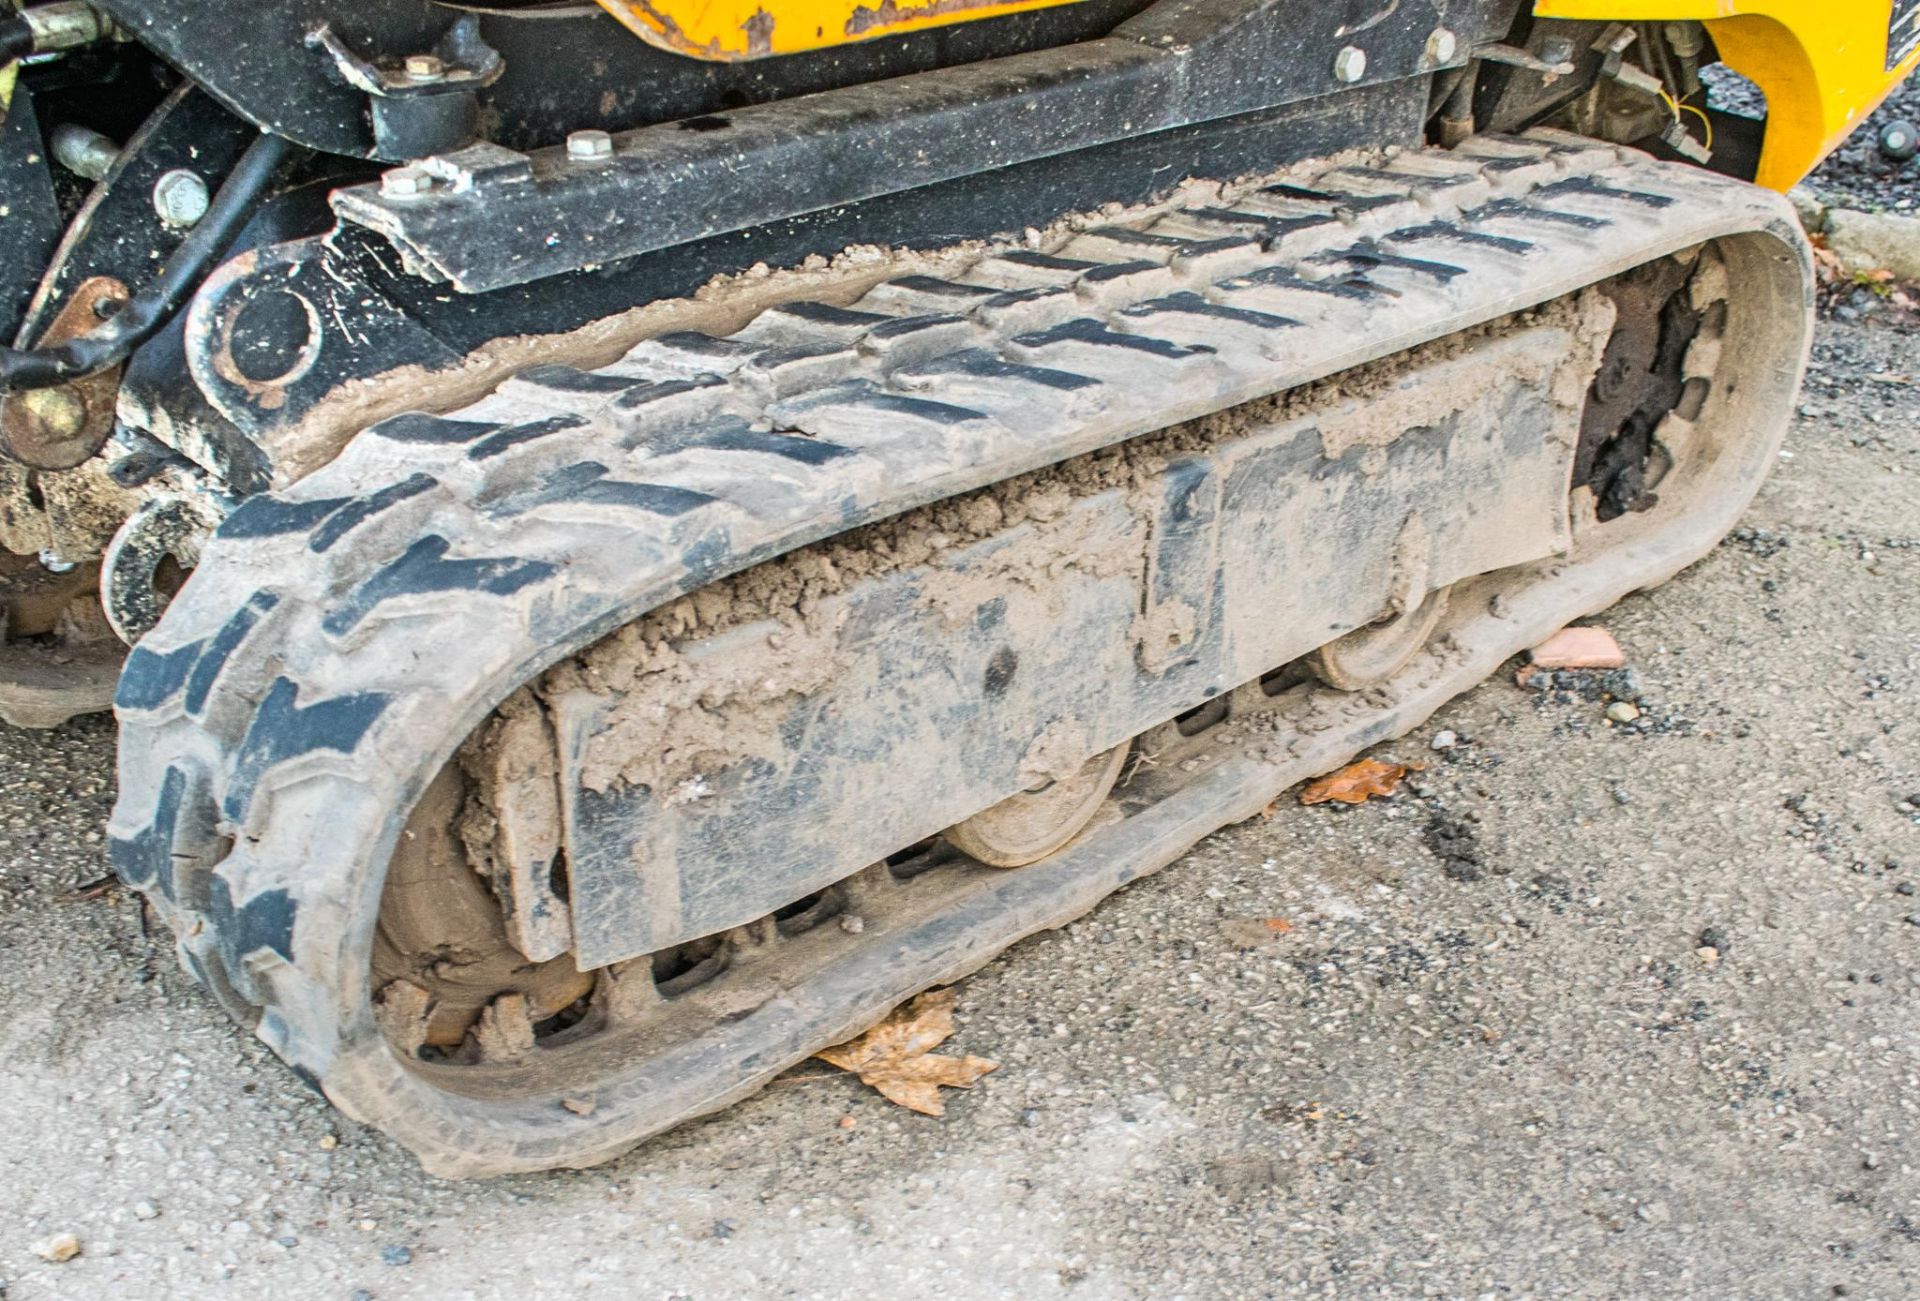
point(16, 37)
point(111, 342)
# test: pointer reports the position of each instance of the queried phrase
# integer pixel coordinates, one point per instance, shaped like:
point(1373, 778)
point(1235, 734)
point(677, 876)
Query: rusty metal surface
point(60, 427)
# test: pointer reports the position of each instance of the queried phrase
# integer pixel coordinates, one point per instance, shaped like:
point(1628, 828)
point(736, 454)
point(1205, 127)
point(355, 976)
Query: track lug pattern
point(337, 633)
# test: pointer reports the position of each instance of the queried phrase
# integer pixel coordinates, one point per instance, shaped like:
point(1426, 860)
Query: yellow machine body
point(1824, 64)
point(730, 30)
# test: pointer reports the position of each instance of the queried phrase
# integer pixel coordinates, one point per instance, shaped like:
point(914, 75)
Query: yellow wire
point(1704, 119)
point(1675, 107)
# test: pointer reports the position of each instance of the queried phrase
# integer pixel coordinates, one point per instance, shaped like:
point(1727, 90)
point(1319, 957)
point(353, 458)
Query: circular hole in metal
point(273, 338)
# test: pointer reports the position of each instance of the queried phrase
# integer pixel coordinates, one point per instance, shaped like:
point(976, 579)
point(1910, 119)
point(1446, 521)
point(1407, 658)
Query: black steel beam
point(493, 217)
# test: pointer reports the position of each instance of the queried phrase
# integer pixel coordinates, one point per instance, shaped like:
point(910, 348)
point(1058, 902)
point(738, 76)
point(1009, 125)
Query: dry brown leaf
point(1357, 782)
point(897, 1058)
point(1251, 932)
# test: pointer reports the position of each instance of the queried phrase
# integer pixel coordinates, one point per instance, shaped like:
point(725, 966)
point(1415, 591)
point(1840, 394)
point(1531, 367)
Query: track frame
point(275, 737)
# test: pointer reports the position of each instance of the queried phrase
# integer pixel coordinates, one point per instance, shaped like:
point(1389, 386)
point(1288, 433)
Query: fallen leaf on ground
point(896, 1056)
point(1357, 782)
point(1248, 932)
point(1579, 648)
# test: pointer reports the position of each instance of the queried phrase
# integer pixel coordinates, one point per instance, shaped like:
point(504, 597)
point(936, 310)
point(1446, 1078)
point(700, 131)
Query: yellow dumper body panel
point(1824, 64)
point(730, 30)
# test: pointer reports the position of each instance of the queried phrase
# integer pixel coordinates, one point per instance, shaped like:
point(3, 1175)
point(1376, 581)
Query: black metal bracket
point(425, 102)
point(488, 217)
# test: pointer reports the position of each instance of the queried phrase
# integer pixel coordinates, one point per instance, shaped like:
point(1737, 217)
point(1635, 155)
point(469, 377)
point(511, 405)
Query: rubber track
point(341, 637)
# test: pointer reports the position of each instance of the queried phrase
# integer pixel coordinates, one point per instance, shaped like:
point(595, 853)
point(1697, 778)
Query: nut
point(424, 67)
point(589, 146)
point(405, 183)
point(1350, 64)
point(1442, 45)
point(181, 198)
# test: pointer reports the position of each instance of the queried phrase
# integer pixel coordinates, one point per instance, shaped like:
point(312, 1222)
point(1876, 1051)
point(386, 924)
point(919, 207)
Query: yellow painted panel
point(1822, 63)
point(729, 30)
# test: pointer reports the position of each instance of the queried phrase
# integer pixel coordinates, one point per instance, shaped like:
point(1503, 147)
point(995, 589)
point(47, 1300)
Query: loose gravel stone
point(60, 1248)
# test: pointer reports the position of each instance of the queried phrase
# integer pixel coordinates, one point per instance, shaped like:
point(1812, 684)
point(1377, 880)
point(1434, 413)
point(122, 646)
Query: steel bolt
point(1442, 45)
point(1350, 64)
point(82, 151)
point(424, 67)
point(589, 146)
point(181, 198)
point(405, 183)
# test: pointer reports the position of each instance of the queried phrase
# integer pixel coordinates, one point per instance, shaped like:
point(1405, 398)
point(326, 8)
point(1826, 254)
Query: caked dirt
point(709, 679)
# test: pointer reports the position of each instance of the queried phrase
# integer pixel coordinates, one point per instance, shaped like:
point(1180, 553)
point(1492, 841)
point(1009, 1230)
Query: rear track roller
point(1025, 828)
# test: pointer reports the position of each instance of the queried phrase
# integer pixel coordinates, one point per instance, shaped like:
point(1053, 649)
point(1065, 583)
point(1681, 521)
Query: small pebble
point(1623, 684)
point(853, 923)
point(396, 1255)
point(1622, 712)
point(145, 1210)
point(59, 1249)
point(1443, 741)
point(1579, 648)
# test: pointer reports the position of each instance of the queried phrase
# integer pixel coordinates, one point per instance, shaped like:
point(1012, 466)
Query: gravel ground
point(1584, 1010)
point(1857, 174)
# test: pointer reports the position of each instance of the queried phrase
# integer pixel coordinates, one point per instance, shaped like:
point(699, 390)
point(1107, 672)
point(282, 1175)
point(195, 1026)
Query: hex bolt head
point(424, 67)
point(405, 183)
point(1442, 45)
point(589, 146)
point(1350, 64)
point(181, 198)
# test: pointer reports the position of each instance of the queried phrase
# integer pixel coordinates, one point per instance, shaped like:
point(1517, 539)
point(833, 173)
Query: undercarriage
point(625, 541)
point(688, 674)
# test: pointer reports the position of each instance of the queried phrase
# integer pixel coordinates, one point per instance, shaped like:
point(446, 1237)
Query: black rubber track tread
point(341, 637)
